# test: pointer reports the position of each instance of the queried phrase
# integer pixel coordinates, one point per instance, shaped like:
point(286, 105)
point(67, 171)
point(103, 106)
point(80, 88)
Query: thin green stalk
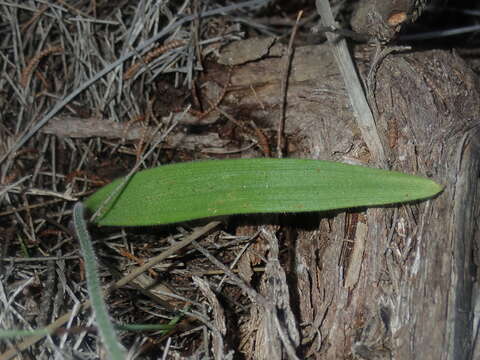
point(105, 326)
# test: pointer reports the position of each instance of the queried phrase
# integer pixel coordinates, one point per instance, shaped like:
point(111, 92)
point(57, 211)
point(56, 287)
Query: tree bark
point(392, 282)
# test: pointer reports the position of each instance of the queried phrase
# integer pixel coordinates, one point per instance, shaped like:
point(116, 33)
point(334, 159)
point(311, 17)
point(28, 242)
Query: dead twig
point(284, 86)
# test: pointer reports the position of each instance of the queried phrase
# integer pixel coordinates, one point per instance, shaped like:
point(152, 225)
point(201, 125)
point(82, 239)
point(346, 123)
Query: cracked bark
point(411, 291)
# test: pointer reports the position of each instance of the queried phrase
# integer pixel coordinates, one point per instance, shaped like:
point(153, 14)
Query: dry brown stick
point(284, 86)
point(74, 127)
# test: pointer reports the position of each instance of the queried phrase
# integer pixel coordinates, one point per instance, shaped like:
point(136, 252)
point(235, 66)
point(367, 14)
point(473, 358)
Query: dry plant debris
point(88, 89)
point(74, 75)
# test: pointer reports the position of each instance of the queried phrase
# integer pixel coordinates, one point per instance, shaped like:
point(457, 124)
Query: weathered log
point(390, 282)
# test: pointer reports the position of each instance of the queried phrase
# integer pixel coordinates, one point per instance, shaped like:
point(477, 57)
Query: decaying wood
point(74, 127)
point(383, 19)
point(407, 291)
point(220, 327)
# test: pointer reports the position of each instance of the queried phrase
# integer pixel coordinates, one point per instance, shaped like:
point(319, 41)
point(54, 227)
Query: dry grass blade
point(363, 113)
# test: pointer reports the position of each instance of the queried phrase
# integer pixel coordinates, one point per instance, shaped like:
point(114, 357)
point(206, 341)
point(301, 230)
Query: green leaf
point(202, 189)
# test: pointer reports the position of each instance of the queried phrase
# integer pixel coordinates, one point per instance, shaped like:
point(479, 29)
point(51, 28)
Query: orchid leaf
point(202, 189)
